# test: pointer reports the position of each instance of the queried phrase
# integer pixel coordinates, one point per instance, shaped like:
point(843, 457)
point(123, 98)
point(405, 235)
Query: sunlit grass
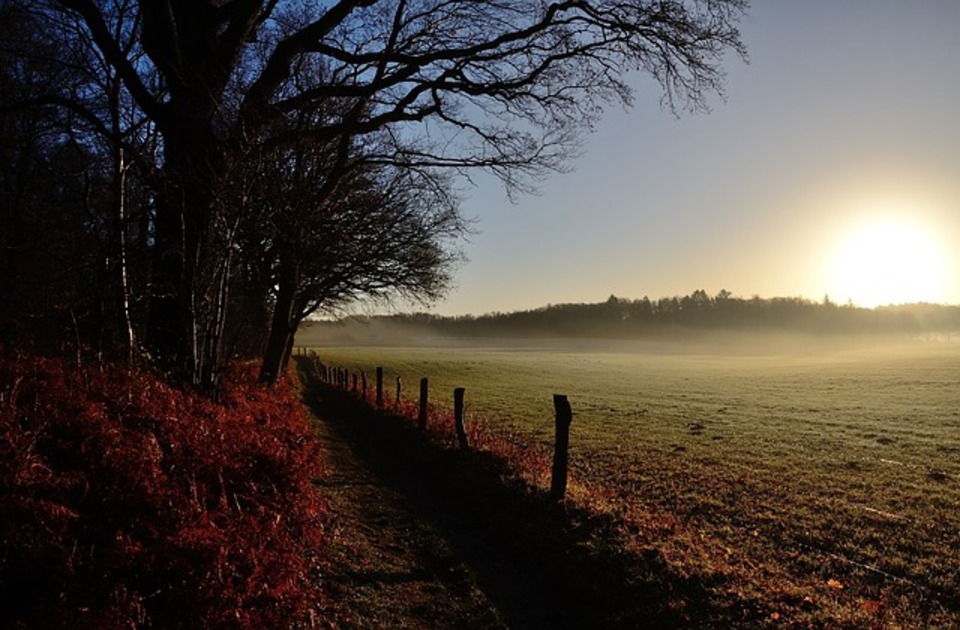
point(826, 485)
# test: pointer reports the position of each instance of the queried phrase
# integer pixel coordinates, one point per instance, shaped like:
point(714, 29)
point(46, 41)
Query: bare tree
point(458, 84)
point(47, 191)
point(323, 228)
point(384, 232)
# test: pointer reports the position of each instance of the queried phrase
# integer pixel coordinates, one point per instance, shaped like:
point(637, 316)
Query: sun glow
point(889, 261)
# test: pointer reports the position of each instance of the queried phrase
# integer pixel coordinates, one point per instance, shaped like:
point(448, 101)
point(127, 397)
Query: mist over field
point(388, 332)
point(692, 323)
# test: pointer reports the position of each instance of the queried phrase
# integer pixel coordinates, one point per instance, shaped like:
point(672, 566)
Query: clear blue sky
point(833, 168)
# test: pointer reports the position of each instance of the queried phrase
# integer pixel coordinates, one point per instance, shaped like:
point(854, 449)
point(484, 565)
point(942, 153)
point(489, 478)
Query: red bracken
point(127, 503)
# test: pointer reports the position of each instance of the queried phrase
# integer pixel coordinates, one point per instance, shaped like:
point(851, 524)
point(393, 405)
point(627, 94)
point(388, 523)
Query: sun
point(889, 261)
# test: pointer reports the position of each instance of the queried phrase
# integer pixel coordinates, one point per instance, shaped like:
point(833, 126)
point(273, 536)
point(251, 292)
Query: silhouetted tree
point(380, 231)
point(458, 84)
point(29, 142)
point(70, 195)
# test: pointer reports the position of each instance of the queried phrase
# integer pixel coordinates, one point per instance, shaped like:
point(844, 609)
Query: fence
point(356, 383)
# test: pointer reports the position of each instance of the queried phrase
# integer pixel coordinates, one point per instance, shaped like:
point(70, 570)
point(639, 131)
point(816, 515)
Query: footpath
point(390, 568)
point(426, 537)
point(401, 557)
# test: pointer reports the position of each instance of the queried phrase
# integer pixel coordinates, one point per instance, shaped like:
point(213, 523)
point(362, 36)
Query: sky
point(832, 168)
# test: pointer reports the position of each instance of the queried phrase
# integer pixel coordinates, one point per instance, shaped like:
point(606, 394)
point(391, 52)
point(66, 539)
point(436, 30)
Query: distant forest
point(621, 317)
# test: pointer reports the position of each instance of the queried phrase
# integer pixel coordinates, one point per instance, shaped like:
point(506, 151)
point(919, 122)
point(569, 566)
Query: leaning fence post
point(422, 417)
point(458, 418)
point(399, 387)
point(558, 480)
point(379, 387)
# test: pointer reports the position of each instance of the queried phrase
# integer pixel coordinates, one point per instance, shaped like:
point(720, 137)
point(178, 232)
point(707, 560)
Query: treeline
point(146, 218)
point(622, 317)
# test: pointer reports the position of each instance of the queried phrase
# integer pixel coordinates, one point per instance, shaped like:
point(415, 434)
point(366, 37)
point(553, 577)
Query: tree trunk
point(275, 355)
point(290, 339)
point(166, 330)
point(191, 259)
point(118, 246)
point(120, 216)
point(283, 324)
point(12, 239)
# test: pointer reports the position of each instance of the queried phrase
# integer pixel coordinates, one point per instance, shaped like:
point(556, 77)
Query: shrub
point(127, 503)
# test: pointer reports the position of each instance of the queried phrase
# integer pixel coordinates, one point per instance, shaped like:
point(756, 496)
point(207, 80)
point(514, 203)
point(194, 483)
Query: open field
point(815, 486)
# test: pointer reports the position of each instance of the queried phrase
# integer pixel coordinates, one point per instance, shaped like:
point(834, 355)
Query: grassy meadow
point(817, 485)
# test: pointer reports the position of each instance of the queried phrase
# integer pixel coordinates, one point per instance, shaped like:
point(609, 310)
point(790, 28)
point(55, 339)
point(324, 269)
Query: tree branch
point(93, 18)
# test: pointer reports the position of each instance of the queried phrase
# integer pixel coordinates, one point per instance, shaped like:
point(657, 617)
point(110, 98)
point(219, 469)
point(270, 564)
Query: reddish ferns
point(126, 503)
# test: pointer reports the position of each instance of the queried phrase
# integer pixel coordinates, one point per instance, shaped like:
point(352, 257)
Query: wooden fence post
point(458, 418)
point(422, 417)
point(354, 387)
point(399, 388)
point(558, 480)
point(379, 387)
point(363, 380)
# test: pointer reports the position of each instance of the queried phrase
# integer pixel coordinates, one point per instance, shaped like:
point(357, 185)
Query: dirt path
point(391, 568)
point(428, 537)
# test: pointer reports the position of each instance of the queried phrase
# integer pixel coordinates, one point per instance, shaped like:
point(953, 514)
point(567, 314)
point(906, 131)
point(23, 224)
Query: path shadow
point(542, 566)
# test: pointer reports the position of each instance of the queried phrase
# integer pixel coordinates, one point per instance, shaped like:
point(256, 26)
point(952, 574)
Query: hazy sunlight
point(890, 261)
